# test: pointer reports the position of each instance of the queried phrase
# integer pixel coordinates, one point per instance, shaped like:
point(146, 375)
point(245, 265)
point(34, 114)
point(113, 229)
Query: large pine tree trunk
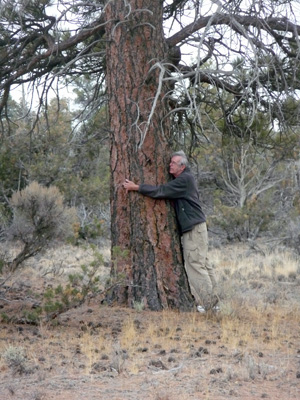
point(140, 151)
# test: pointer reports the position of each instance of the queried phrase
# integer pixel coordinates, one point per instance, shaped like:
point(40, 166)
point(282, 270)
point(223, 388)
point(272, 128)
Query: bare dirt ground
point(250, 350)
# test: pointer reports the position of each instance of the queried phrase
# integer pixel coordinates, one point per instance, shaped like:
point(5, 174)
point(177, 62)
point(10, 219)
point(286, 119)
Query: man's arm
point(129, 185)
point(174, 189)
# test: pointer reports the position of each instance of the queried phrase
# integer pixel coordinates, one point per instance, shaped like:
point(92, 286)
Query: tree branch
point(279, 24)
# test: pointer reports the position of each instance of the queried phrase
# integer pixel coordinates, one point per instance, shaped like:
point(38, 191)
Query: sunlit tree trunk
point(140, 151)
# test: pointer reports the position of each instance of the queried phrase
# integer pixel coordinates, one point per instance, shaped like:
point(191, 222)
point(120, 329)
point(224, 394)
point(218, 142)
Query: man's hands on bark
point(129, 185)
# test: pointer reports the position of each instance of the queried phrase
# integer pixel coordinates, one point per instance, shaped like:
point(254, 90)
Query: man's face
point(175, 167)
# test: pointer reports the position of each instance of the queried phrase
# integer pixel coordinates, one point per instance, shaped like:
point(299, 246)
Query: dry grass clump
point(239, 264)
point(257, 279)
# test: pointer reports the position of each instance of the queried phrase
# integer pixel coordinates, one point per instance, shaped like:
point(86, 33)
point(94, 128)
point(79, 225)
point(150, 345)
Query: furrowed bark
point(140, 151)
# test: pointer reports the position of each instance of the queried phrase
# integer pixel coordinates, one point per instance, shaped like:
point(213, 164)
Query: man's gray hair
point(184, 160)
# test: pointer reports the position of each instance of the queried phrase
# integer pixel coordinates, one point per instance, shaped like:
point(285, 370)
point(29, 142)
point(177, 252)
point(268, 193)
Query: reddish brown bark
point(147, 228)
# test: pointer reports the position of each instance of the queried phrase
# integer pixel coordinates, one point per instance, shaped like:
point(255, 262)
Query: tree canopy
point(249, 50)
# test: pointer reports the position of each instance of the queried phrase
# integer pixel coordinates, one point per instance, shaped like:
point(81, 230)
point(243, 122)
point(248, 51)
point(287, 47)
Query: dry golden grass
point(249, 350)
point(271, 264)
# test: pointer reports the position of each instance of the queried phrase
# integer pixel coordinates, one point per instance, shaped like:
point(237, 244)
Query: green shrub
point(79, 287)
point(15, 359)
point(39, 217)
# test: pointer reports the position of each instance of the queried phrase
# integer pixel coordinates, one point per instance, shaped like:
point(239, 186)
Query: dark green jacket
point(184, 192)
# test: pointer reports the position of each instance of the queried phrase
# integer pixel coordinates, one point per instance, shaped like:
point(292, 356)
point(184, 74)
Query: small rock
point(157, 364)
point(215, 371)
point(98, 367)
point(171, 359)
point(207, 341)
point(203, 350)
point(142, 349)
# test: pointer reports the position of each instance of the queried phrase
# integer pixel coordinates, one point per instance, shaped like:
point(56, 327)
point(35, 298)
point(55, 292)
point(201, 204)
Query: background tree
point(52, 152)
point(155, 87)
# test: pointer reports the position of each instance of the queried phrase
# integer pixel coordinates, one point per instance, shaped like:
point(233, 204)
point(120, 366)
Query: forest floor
point(249, 350)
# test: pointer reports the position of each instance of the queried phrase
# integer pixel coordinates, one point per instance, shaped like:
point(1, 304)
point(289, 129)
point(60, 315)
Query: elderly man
point(192, 223)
